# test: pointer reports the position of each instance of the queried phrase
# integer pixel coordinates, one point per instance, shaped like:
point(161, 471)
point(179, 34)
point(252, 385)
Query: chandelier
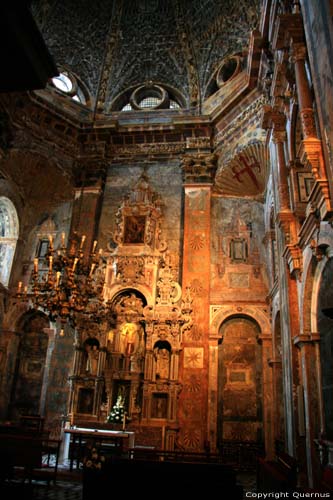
point(68, 283)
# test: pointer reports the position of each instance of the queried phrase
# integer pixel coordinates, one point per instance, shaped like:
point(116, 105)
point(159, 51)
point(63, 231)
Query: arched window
point(9, 230)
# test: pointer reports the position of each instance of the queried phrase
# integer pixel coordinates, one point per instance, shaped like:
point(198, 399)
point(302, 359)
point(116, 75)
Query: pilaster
point(199, 169)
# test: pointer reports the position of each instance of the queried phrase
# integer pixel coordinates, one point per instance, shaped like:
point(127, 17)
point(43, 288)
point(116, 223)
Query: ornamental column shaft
point(303, 91)
point(199, 169)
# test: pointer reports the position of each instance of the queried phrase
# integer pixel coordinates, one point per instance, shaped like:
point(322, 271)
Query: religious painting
point(134, 230)
point(85, 400)
point(159, 406)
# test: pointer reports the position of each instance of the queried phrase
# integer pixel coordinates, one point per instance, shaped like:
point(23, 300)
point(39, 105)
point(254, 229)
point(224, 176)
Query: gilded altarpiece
point(138, 345)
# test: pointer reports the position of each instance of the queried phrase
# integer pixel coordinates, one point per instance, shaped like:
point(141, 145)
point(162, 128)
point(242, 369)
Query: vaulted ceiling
point(114, 44)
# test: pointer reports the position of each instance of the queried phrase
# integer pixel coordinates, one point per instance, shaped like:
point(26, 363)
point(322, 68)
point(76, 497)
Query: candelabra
point(70, 285)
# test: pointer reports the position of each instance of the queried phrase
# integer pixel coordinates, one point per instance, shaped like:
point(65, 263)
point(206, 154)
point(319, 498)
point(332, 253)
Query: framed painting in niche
point(134, 229)
point(85, 400)
point(159, 406)
point(238, 249)
point(305, 183)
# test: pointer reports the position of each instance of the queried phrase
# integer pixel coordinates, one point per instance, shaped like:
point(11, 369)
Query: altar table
point(121, 441)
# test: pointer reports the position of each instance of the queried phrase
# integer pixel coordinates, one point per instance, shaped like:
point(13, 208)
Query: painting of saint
point(134, 231)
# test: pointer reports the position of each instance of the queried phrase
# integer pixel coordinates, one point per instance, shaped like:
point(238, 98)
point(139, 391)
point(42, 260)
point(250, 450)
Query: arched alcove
point(30, 365)
point(239, 381)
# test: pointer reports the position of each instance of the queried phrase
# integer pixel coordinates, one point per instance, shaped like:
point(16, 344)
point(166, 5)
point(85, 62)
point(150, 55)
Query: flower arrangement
point(117, 413)
point(93, 459)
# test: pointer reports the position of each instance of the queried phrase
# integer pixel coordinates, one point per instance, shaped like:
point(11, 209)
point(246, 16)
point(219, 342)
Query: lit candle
point(74, 263)
point(62, 240)
point(19, 287)
point(25, 290)
point(50, 263)
point(35, 265)
point(83, 239)
point(51, 240)
point(93, 265)
point(100, 251)
point(58, 279)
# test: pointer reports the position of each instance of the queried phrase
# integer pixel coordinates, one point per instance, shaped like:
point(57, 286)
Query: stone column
point(195, 399)
point(50, 346)
point(308, 345)
point(267, 390)
point(311, 148)
point(277, 420)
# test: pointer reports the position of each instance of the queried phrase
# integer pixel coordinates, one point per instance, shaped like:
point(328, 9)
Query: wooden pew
point(28, 455)
point(173, 477)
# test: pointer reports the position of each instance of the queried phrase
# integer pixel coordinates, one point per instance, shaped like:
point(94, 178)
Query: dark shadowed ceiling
point(114, 44)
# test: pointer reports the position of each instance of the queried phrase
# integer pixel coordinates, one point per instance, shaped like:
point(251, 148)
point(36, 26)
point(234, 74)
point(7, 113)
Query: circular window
point(149, 97)
point(228, 69)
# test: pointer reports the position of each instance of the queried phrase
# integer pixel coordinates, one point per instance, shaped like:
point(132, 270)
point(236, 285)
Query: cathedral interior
point(166, 222)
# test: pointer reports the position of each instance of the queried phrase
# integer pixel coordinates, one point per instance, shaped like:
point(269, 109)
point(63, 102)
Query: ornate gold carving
point(139, 218)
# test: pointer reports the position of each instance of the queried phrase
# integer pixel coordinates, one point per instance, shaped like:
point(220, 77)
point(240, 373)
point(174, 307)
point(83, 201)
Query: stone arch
point(219, 314)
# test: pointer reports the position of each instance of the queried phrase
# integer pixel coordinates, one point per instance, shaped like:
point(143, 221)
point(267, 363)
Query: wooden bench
point(167, 477)
point(30, 456)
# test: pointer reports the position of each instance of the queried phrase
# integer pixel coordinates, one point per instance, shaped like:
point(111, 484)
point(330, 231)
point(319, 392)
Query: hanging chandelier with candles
point(72, 284)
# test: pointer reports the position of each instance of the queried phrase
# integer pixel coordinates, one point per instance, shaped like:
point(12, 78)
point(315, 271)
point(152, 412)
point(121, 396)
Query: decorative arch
point(9, 232)
point(219, 314)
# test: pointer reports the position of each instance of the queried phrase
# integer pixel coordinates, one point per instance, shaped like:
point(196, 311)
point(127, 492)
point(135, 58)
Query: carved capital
point(299, 52)
point(308, 122)
point(294, 257)
point(273, 119)
point(279, 136)
point(311, 152)
point(199, 167)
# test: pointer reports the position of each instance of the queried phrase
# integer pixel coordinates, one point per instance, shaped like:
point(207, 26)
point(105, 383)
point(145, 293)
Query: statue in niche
point(132, 344)
point(162, 357)
point(129, 338)
point(92, 359)
point(91, 355)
